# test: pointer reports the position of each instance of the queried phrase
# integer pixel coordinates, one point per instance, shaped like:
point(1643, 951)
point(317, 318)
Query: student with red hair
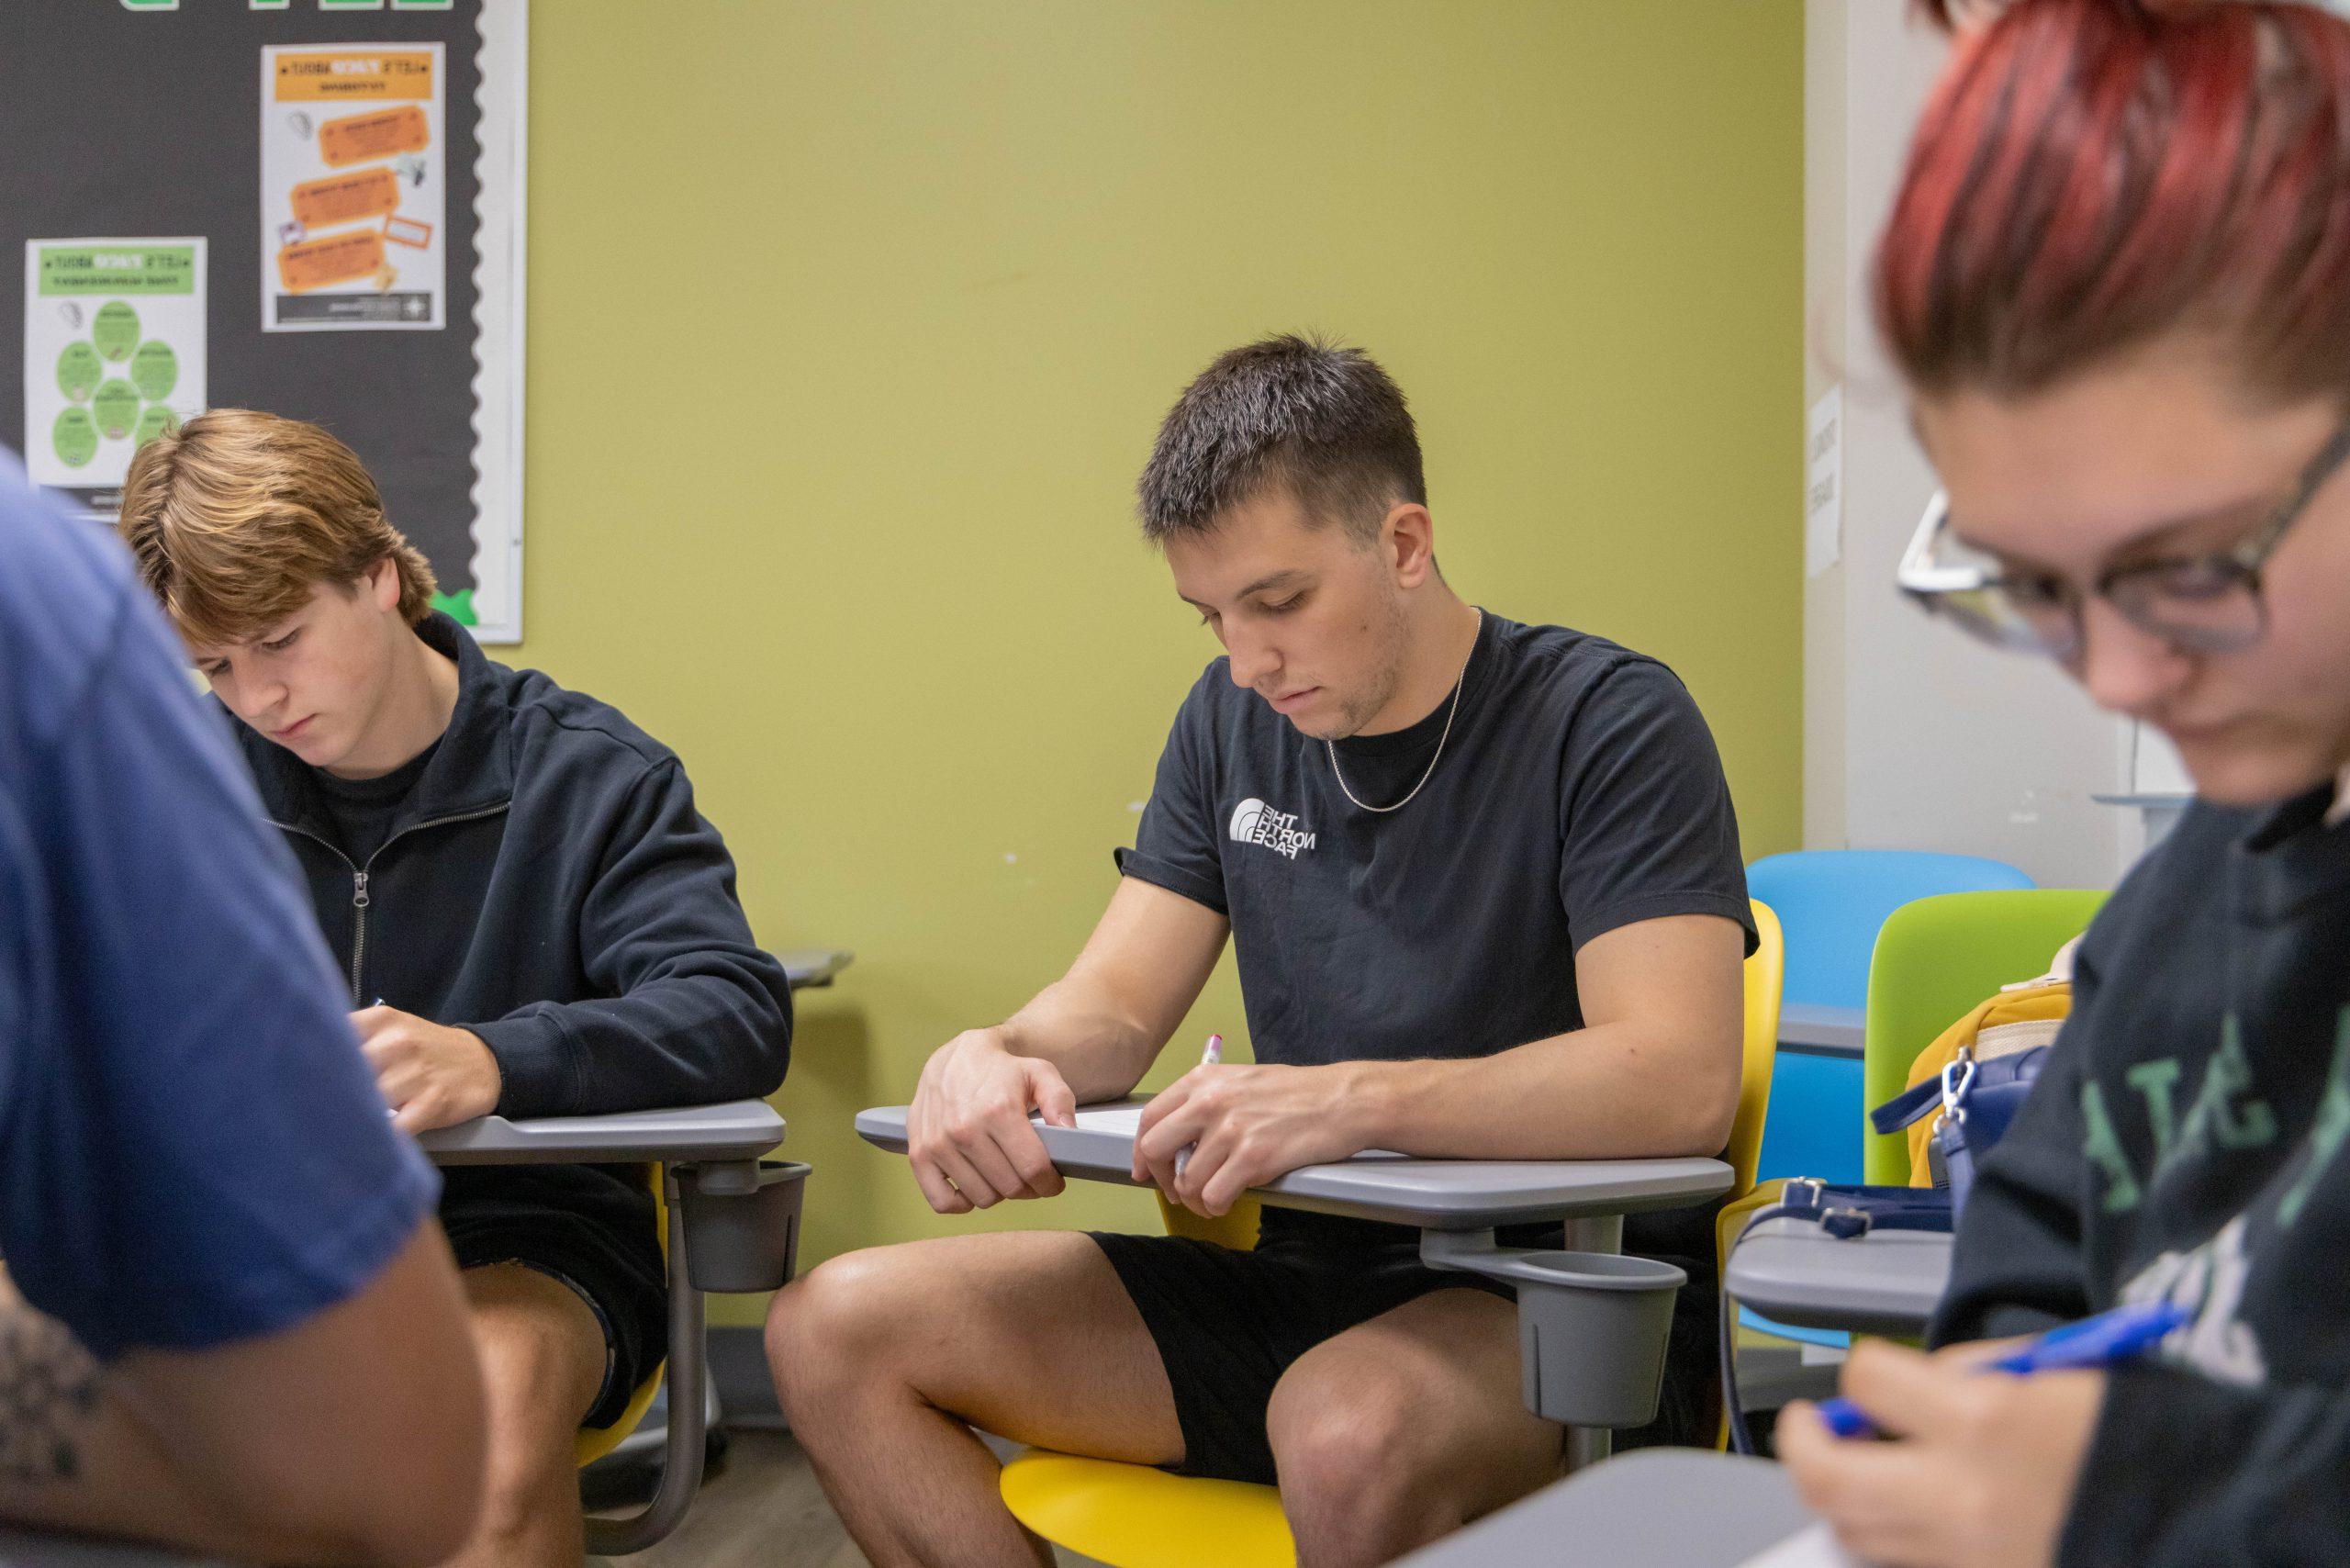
point(2117, 283)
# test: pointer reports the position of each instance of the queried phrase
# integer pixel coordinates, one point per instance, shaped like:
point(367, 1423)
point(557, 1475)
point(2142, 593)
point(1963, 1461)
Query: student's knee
point(1361, 1448)
point(540, 1372)
point(835, 1326)
point(542, 1350)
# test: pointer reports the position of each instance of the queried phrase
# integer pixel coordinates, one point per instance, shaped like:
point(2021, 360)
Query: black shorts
point(1229, 1323)
point(595, 1229)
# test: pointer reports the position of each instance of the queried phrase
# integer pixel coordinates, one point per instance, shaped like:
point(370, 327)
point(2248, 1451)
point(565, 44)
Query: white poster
point(1823, 507)
point(114, 353)
point(354, 188)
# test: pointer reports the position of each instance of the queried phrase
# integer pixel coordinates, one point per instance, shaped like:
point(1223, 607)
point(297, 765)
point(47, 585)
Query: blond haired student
point(530, 914)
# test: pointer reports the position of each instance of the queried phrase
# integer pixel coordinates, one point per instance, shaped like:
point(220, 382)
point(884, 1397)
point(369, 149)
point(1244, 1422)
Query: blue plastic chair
point(1831, 903)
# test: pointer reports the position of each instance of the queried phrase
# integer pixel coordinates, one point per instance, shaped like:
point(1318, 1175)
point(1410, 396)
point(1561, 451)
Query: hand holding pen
point(1211, 1057)
point(2104, 1341)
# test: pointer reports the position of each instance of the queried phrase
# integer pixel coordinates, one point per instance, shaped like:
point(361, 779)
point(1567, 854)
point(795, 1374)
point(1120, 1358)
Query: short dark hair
point(1324, 421)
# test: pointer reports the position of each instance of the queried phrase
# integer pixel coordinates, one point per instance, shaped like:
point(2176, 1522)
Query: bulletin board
point(309, 207)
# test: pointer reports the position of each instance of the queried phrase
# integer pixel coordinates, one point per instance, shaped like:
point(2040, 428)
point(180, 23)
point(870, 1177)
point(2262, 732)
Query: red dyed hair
point(2093, 175)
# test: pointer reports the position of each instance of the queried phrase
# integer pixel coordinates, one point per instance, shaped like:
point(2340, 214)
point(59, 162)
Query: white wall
point(1915, 737)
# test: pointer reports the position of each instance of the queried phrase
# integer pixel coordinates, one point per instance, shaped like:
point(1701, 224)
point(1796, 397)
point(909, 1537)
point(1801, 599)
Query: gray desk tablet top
point(1835, 1029)
point(810, 967)
point(740, 1129)
point(1652, 1509)
point(1885, 1282)
point(20, 1549)
point(1433, 1194)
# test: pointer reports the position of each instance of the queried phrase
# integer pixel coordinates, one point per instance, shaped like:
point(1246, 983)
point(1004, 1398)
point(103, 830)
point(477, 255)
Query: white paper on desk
point(1812, 1548)
point(1124, 1120)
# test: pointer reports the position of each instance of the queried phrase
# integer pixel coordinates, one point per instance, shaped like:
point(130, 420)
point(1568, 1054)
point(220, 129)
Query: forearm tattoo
point(49, 1398)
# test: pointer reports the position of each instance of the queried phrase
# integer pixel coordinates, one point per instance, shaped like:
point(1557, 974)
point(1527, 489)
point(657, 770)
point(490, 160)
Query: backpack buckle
point(1958, 1079)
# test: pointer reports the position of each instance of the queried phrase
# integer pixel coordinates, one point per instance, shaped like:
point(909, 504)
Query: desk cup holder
point(743, 1225)
point(1592, 1328)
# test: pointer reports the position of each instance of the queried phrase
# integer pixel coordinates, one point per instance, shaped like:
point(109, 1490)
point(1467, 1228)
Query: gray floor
point(764, 1511)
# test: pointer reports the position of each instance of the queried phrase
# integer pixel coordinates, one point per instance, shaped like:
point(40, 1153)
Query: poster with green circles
point(114, 353)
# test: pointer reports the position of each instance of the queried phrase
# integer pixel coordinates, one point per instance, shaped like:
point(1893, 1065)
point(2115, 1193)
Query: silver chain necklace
point(1458, 683)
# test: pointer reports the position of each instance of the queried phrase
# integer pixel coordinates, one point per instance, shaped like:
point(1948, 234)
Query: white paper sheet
point(1122, 1119)
point(114, 353)
point(354, 187)
point(1813, 1547)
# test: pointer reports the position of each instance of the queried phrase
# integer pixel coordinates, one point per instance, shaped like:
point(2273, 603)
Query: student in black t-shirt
point(2117, 280)
point(1485, 885)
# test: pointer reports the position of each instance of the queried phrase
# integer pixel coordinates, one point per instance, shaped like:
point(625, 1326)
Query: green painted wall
point(850, 325)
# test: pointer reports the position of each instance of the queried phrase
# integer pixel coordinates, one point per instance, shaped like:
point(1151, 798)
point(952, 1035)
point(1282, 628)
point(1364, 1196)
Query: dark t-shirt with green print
point(2188, 1143)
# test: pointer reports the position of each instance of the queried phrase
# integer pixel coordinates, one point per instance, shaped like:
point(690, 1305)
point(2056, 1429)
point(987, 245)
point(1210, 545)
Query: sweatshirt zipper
point(360, 901)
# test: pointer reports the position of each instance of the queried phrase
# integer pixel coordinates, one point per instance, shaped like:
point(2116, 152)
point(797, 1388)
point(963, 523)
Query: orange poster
point(354, 196)
point(339, 258)
point(316, 75)
point(377, 134)
point(346, 198)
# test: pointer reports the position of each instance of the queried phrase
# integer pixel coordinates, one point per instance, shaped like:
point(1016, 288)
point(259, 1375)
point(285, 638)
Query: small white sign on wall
point(1823, 505)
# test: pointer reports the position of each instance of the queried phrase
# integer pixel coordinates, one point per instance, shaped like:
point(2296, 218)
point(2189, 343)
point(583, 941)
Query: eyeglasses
point(2207, 603)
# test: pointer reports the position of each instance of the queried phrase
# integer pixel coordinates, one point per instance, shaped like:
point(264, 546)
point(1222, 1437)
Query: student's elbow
point(428, 1505)
point(408, 1430)
point(1706, 1107)
point(771, 1028)
point(413, 1522)
point(742, 1022)
point(399, 1486)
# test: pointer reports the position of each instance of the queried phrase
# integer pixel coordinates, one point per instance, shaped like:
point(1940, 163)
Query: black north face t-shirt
point(1579, 792)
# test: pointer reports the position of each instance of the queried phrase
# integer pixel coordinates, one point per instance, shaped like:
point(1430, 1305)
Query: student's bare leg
point(881, 1357)
point(542, 1357)
point(1405, 1428)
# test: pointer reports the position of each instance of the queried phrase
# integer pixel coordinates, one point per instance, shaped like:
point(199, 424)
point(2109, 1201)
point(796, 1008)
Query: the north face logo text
point(1253, 822)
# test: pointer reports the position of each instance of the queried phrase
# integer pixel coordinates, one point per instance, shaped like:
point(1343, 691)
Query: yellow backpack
point(2018, 1019)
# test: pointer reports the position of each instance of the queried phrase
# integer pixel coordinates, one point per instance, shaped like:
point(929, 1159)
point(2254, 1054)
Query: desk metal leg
point(681, 1465)
point(1586, 1446)
point(1601, 1233)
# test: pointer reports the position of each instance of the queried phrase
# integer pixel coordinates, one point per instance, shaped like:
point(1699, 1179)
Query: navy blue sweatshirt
point(548, 885)
point(2186, 1143)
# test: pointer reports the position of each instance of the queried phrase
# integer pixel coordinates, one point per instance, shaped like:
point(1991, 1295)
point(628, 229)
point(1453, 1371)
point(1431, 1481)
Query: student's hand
point(967, 1134)
point(1981, 1471)
point(1245, 1126)
point(431, 1075)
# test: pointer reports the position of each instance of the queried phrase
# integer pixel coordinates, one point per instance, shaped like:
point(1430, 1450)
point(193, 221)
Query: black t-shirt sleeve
point(1177, 846)
point(1646, 826)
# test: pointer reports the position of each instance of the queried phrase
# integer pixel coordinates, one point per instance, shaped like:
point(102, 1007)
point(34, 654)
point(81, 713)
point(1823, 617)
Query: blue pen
point(2099, 1341)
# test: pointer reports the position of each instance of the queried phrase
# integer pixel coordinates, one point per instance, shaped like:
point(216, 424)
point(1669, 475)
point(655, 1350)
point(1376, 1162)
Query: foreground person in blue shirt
point(228, 1321)
point(530, 915)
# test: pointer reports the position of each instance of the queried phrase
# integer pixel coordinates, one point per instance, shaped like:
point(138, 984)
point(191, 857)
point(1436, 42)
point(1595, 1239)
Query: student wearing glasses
point(2117, 283)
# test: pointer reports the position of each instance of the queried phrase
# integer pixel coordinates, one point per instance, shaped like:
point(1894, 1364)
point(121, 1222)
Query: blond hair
point(236, 516)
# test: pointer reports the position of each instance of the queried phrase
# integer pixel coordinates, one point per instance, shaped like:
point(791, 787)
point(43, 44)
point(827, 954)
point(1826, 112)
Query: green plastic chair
point(1934, 960)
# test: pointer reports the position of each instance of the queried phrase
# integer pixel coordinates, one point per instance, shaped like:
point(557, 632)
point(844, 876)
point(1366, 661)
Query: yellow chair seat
point(1131, 1516)
point(593, 1443)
